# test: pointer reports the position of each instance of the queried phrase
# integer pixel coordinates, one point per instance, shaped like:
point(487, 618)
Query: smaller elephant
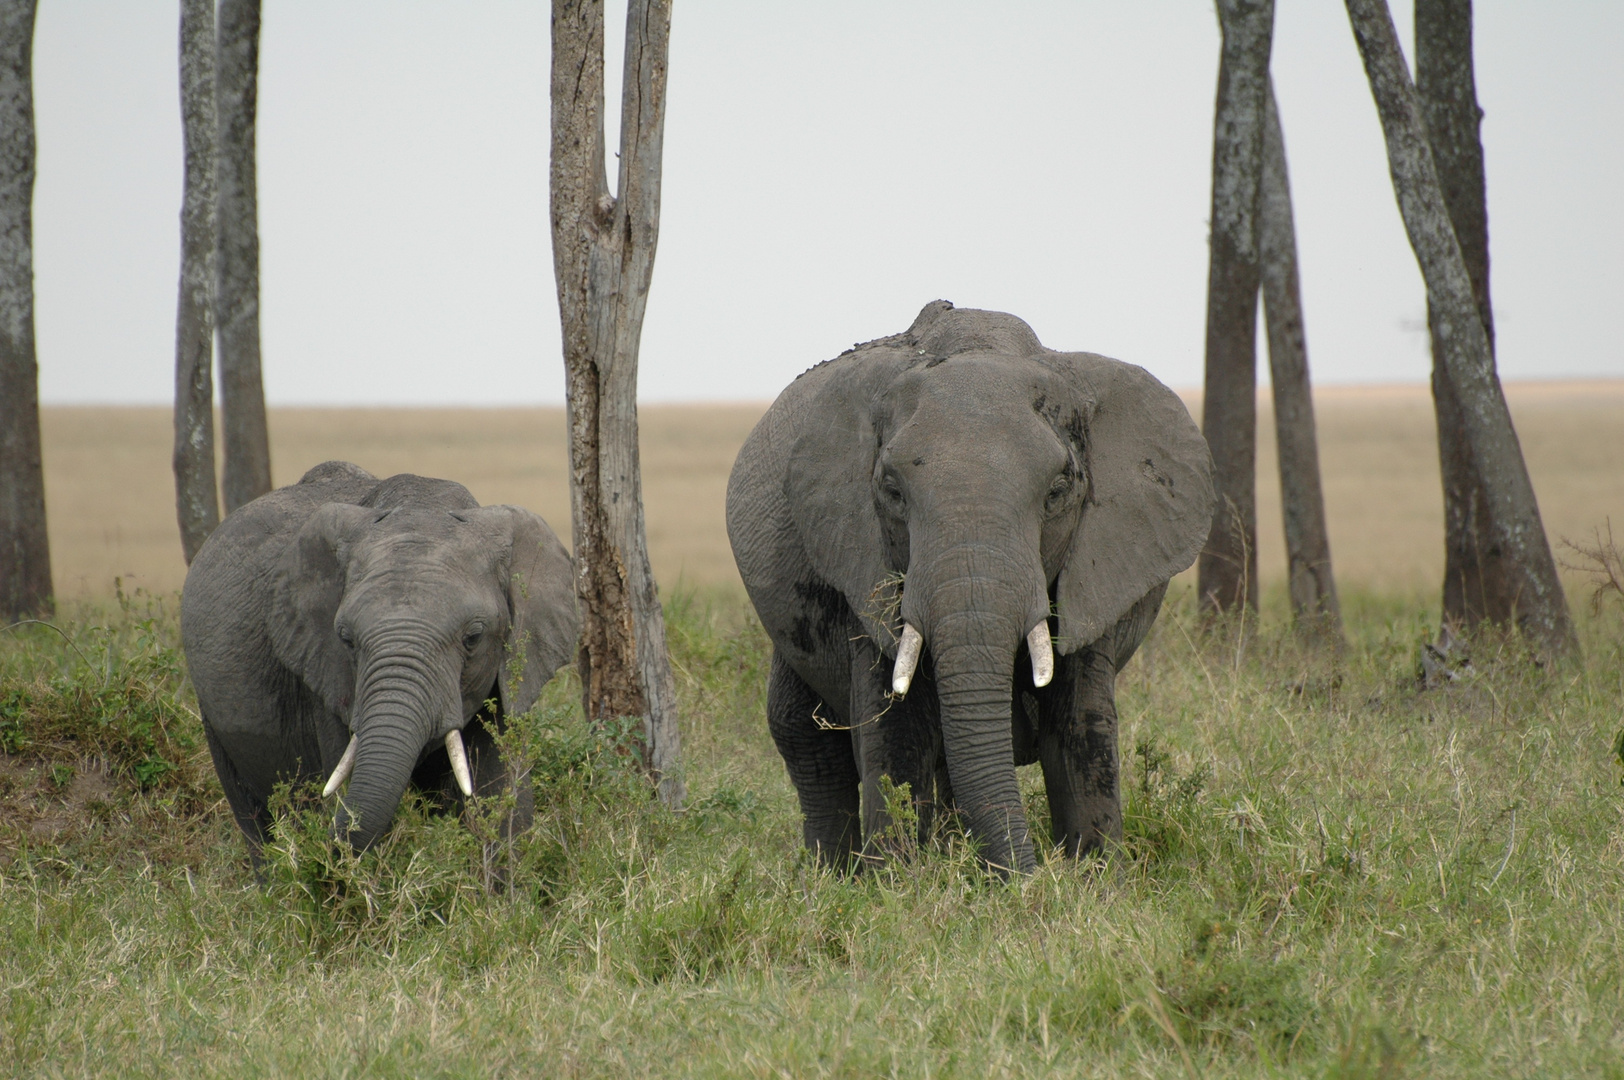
point(374, 631)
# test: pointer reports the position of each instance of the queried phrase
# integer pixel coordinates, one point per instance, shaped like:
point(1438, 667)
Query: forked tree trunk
point(236, 222)
point(196, 504)
point(1227, 575)
point(1308, 546)
point(1476, 585)
point(1512, 512)
point(603, 257)
point(25, 553)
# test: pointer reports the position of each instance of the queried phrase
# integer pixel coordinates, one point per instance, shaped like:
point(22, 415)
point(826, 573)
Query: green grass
point(1327, 872)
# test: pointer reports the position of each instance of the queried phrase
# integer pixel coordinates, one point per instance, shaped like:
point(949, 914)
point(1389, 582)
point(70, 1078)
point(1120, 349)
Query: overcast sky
point(829, 168)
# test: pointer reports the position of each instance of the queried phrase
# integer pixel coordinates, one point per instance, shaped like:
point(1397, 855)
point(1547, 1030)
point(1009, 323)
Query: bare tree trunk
point(603, 256)
point(236, 220)
point(25, 553)
point(1227, 575)
point(1314, 606)
point(196, 504)
point(1461, 341)
point(1476, 585)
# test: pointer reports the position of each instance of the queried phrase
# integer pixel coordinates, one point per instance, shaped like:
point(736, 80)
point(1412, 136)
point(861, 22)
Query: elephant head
point(977, 495)
point(405, 620)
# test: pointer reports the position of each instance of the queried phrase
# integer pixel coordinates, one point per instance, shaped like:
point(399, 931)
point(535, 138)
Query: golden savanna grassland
point(1326, 869)
point(110, 494)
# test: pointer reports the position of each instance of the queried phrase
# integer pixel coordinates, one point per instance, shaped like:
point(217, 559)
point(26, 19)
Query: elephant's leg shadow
point(899, 738)
point(1077, 745)
point(817, 752)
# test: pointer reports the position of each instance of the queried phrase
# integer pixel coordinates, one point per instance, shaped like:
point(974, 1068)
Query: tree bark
point(1314, 606)
point(1461, 341)
point(196, 504)
point(242, 393)
point(603, 258)
point(1227, 574)
point(25, 553)
point(1475, 580)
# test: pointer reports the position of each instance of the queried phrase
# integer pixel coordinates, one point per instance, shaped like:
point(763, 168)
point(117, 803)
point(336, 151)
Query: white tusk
point(346, 765)
point(1042, 650)
point(907, 659)
point(459, 761)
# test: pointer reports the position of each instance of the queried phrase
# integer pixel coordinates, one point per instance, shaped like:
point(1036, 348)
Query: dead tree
point(1461, 341)
point(1227, 574)
point(236, 222)
point(1314, 606)
point(603, 258)
point(196, 504)
point(1476, 584)
point(25, 553)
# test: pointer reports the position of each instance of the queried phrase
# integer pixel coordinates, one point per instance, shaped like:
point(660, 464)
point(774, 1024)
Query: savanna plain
point(1327, 870)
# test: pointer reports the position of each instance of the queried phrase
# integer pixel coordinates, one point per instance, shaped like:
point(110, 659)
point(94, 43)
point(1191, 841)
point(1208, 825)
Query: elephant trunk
point(974, 685)
point(402, 703)
point(976, 611)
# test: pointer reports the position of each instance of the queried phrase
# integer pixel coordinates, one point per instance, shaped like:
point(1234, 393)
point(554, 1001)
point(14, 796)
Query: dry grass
point(111, 498)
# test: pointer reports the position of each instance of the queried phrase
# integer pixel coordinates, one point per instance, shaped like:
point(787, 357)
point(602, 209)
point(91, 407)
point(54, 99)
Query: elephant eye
point(344, 634)
point(1055, 501)
point(471, 638)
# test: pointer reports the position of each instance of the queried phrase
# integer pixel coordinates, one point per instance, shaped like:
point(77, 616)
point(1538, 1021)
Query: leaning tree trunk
point(603, 256)
point(196, 504)
point(1463, 345)
point(1308, 546)
point(25, 553)
point(236, 222)
point(1476, 585)
point(1227, 575)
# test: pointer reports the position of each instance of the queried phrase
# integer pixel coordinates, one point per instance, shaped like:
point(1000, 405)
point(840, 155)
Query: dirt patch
point(47, 800)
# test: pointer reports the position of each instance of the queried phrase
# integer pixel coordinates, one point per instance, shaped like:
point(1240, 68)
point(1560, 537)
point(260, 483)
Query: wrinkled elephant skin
point(955, 538)
point(350, 628)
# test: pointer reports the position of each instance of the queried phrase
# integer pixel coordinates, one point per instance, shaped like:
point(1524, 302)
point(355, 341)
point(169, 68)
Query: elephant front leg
point(490, 772)
point(1077, 744)
point(250, 809)
point(899, 738)
point(494, 775)
point(493, 778)
point(817, 753)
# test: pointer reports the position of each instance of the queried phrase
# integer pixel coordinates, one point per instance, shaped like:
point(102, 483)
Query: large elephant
point(346, 627)
point(922, 523)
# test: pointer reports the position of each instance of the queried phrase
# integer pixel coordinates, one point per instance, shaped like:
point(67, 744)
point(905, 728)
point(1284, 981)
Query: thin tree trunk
point(196, 504)
point(1475, 578)
point(1314, 606)
point(25, 553)
point(1460, 339)
point(236, 219)
point(1227, 575)
point(603, 257)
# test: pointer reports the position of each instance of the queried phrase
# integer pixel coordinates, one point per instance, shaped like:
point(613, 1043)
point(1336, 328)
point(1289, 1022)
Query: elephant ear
point(308, 587)
point(829, 484)
point(1150, 499)
point(539, 579)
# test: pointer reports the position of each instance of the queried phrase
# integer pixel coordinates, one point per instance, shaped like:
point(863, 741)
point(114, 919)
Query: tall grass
point(1326, 872)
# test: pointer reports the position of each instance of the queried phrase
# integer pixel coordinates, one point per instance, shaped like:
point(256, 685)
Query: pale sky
point(829, 168)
